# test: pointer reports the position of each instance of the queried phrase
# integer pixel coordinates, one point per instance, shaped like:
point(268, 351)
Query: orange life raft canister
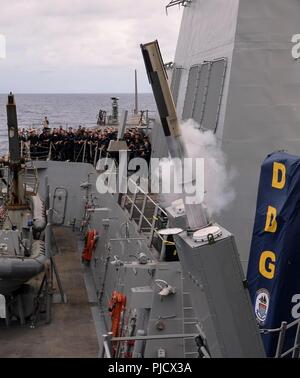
point(91, 239)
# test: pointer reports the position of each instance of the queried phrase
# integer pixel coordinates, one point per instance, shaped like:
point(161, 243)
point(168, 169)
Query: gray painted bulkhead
point(222, 303)
point(260, 108)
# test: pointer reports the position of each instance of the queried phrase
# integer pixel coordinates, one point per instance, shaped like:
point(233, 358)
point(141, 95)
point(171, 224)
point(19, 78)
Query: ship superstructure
point(237, 74)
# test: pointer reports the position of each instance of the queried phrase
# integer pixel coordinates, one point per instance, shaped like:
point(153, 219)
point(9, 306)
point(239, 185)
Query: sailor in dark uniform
point(69, 145)
point(53, 141)
point(34, 140)
point(44, 144)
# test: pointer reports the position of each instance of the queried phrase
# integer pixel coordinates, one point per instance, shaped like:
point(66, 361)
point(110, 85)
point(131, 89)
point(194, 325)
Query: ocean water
point(66, 109)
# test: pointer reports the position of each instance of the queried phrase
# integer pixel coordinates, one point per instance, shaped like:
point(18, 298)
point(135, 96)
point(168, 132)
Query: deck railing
point(292, 352)
point(109, 340)
point(147, 215)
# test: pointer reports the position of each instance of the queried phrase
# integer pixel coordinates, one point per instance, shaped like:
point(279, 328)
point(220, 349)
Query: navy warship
point(138, 274)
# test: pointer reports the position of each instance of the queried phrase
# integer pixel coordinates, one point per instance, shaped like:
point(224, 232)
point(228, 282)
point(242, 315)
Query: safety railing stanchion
point(281, 340)
point(297, 343)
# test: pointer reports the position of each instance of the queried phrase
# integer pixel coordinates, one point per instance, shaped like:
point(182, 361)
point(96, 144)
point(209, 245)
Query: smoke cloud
point(218, 180)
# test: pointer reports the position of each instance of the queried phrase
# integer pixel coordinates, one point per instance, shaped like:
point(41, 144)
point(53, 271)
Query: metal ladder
point(189, 323)
point(30, 179)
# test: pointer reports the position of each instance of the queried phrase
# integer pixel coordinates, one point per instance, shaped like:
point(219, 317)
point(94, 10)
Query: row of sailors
point(82, 143)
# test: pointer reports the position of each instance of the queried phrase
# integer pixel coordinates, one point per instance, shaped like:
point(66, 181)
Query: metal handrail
point(156, 337)
point(65, 125)
point(147, 199)
point(290, 325)
point(279, 353)
point(107, 346)
point(108, 339)
point(282, 336)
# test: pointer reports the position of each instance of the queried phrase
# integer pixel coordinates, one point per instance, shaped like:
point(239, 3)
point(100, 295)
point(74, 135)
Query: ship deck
point(71, 333)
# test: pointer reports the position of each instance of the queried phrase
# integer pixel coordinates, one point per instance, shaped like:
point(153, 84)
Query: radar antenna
point(183, 3)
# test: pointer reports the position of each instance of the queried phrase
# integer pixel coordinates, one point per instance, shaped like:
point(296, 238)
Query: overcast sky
point(82, 46)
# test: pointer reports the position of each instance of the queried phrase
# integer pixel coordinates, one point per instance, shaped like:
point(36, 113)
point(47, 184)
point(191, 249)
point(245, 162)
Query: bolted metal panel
point(167, 312)
point(175, 84)
point(201, 92)
point(141, 297)
point(210, 115)
point(190, 92)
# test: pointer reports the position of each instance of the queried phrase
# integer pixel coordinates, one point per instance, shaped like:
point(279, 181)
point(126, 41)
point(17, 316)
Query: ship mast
point(16, 189)
point(136, 106)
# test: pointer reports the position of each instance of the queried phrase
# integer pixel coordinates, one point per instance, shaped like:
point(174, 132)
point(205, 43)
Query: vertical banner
point(274, 263)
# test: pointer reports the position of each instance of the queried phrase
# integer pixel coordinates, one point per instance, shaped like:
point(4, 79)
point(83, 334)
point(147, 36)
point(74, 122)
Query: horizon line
point(74, 93)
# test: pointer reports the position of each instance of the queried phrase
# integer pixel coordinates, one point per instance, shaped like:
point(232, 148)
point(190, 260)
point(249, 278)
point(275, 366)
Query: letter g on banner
point(267, 264)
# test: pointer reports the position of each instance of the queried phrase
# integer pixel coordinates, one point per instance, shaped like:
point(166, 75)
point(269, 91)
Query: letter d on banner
point(279, 175)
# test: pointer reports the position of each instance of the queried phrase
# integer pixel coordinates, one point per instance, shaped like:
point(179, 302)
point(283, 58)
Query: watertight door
point(59, 205)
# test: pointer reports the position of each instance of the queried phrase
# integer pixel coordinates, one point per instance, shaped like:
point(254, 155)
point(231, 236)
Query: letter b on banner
point(271, 223)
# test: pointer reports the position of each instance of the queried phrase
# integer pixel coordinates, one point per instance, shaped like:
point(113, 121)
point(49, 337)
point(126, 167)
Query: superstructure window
point(198, 109)
point(190, 93)
point(175, 83)
point(214, 94)
point(204, 93)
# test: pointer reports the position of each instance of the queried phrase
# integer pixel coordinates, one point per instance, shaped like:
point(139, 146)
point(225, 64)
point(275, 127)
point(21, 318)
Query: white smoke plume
point(218, 180)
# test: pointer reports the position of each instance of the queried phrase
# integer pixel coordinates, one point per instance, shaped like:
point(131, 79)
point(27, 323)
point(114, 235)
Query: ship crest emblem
point(262, 303)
